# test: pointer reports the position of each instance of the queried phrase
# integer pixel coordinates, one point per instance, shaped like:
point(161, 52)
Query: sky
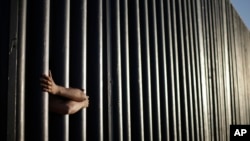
point(243, 9)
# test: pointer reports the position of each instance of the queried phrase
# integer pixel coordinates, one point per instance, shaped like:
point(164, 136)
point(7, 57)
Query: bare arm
point(62, 106)
point(50, 86)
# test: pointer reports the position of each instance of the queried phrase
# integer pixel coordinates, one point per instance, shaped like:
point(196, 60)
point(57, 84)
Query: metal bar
point(137, 113)
point(197, 74)
point(227, 113)
point(164, 82)
point(171, 42)
point(202, 64)
point(78, 71)
point(21, 64)
point(126, 70)
point(175, 75)
point(214, 61)
point(231, 60)
point(181, 72)
point(146, 67)
point(100, 75)
point(37, 57)
point(190, 66)
point(183, 46)
point(118, 70)
point(114, 58)
point(44, 46)
point(109, 12)
point(95, 68)
point(155, 70)
point(60, 18)
point(12, 71)
point(38, 36)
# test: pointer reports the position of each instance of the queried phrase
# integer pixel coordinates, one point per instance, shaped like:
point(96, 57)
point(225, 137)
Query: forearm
point(71, 93)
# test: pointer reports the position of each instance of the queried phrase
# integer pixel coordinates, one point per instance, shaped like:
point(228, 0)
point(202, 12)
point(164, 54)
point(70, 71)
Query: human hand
point(86, 102)
point(48, 84)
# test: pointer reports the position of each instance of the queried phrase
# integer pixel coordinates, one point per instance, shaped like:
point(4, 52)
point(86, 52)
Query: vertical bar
point(4, 43)
point(146, 67)
point(197, 74)
point(202, 73)
point(163, 68)
point(232, 69)
point(214, 67)
point(175, 74)
point(60, 23)
point(188, 41)
point(21, 64)
point(137, 115)
point(114, 58)
point(12, 71)
point(192, 88)
point(78, 71)
point(111, 131)
point(38, 21)
point(96, 68)
point(126, 70)
point(226, 72)
point(155, 70)
point(44, 46)
point(170, 12)
point(181, 10)
point(100, 53)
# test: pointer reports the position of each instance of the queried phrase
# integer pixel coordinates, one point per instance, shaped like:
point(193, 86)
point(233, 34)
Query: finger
point(45, 77)
point(46, 90)
point(45, 83)
point(45, 86)
point(50, 74)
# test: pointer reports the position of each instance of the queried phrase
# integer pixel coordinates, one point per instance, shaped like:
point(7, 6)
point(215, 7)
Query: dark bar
point(191, 82)
point(37, 57)
point(176, 73)
point(114, 55)
point(111, 116)
point(146, 73)
point(4, 43)
point(182, 67)
point(163, 70)
point(189, 61)
point(214, 89)
point(137, 114)
point(59, 62)
point(78, 71)
point(21, 64)
point(196, 76)
point(170, 13)
point(154, 59)
point(126, 71)
point(12, 71)
point(96, 69)
point(112, 130)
